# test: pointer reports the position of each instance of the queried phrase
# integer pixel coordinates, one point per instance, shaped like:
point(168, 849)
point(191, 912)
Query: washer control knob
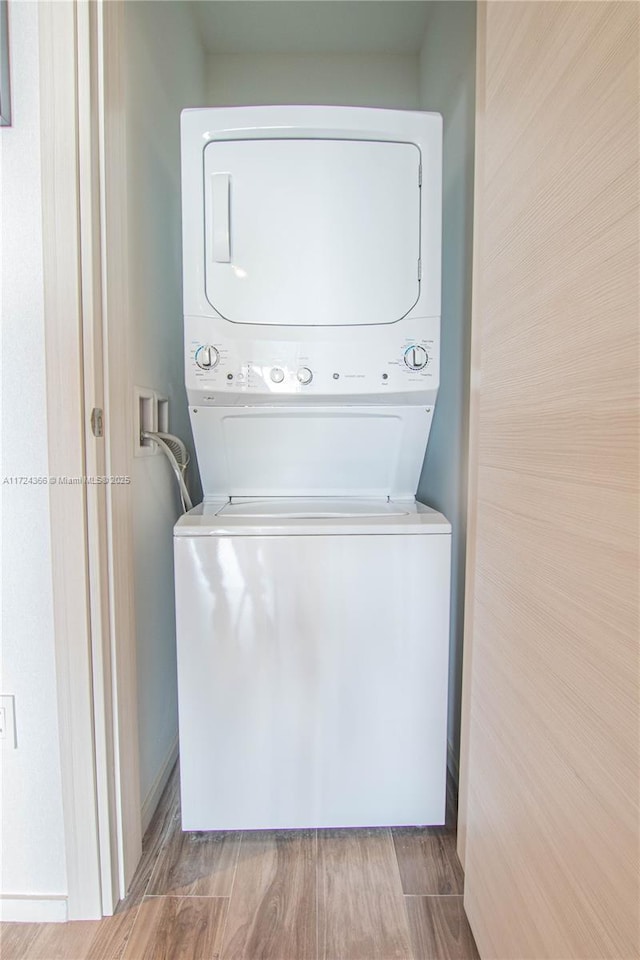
point(304, 375)
point(207, 357)
point(277, 375)
point(416, 358)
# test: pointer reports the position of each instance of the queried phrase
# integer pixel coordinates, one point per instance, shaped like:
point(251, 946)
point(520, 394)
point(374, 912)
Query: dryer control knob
point(277, 375)
point(207, 357)
point(305, 375)
point(416, 358)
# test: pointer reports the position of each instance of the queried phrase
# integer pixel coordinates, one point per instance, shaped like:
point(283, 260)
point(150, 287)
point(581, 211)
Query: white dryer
point(312, 591)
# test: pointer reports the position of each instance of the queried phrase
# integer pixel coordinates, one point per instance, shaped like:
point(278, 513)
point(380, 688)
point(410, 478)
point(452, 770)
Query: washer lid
point(286, 516)
point(312, 508)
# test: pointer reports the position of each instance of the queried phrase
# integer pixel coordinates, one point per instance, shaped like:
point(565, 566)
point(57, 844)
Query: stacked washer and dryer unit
point(312, 590)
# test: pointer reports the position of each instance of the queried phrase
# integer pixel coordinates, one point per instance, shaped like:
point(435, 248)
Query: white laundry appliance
point(312, 590)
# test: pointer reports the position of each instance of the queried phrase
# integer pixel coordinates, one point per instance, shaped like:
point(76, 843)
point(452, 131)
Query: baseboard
point(28, 909)
point(452, 764)
point(153, 797)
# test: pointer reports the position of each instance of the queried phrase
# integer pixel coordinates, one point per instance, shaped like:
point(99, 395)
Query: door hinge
point(419, 269)
point(97, 422)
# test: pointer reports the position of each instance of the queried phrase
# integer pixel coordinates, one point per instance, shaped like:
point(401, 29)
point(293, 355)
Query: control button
point(277, 375)
point(207, 357)
point(416, 358)
point(385, 376)
point(304, 375)
point(336, 376)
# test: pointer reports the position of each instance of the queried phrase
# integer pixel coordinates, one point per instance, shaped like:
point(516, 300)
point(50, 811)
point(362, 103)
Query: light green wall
point(349, 79)
point(447, 84)
point(165, 71)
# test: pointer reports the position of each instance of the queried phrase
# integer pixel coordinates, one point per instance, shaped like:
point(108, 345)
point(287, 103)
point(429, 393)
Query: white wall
point(33, 855)
point(363, 80)
point(165, 71)
point(447, 84)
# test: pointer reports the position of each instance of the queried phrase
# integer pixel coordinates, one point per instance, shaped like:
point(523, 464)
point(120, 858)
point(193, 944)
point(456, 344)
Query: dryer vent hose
point(176, 453)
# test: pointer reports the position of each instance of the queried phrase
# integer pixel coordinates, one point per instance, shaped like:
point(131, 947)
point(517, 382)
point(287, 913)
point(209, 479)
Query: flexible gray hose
point(163, 440)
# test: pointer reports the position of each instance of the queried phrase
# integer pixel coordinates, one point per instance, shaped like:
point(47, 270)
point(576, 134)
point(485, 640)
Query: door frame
point(473, 440)
point(83, 129)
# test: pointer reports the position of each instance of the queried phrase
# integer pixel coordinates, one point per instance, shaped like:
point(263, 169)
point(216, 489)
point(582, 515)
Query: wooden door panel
point(549, 792)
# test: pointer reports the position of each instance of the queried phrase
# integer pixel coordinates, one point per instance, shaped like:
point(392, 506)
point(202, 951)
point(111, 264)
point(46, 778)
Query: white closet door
point(312, 232)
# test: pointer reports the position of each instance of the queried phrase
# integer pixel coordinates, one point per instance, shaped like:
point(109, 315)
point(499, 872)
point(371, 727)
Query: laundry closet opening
point(399, 55)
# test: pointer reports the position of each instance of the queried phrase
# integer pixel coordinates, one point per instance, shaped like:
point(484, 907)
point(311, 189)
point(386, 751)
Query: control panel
point(369, 366)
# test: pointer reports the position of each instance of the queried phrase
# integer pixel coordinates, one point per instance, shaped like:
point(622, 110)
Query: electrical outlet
point(8, 722)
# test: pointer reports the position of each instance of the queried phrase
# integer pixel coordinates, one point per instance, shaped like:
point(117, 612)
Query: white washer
point(312, 591)
point(313, 655)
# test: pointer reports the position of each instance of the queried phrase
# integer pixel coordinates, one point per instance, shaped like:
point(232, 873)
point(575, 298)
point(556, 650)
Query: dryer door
point(312, 232)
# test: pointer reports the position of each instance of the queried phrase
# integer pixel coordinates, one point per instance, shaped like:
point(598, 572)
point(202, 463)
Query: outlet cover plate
point(145, 417)
point(8, 722)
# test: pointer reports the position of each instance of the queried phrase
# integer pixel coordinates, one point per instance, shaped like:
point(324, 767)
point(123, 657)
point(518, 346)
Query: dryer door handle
point(220, 214)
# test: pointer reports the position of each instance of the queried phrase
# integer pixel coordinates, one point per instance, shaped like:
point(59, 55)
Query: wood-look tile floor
point(370, 894)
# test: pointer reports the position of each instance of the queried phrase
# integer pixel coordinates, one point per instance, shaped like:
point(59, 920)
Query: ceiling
point(311, 26)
